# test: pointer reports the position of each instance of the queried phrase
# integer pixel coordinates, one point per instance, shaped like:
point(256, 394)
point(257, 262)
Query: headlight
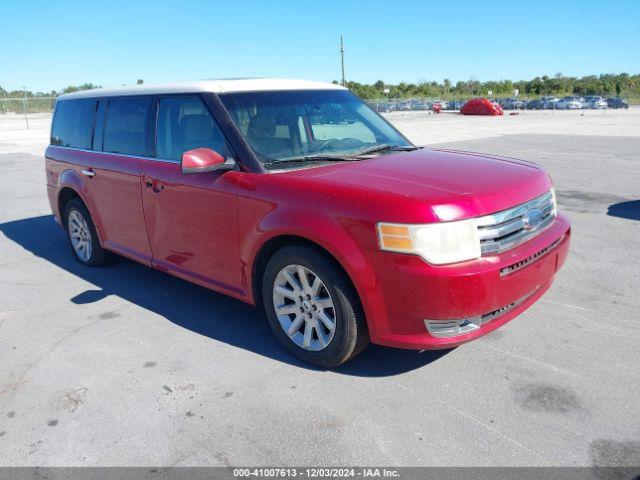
point(437, 243)
point(555, 202)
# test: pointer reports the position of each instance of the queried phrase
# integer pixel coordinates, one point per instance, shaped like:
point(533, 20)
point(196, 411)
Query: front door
point(191, 219)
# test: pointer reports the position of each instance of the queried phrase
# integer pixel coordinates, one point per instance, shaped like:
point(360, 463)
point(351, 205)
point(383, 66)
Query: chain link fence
point(26, 107)
point(29, 104)
point(545, 102)
point(42, 105)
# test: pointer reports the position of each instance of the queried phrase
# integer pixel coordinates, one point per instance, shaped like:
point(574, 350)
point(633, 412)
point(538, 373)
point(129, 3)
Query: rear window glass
point(125, 129)
point(73, 123)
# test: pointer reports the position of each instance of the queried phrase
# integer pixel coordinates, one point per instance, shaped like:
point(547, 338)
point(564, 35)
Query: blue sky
point(50, 44)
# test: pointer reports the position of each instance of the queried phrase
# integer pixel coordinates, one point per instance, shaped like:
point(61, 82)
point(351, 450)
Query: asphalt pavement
point(128, 366)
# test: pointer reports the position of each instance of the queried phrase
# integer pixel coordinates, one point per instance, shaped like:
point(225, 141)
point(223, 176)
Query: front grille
point(452, 328)
point(509, 228)
point(514, 267)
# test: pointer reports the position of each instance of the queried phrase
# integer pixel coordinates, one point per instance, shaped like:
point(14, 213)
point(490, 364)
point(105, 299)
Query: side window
point(184, 123)
point(125, 129)
point(73, 123)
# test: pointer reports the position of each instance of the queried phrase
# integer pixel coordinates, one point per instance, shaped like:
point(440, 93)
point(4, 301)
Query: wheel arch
point(71, 185)
point(272, 245)
point(65, 195)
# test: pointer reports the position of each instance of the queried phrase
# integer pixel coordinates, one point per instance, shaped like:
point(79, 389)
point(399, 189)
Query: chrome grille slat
point(522, 236)
point(489, 233)
point(517, 211)
point(507, 229)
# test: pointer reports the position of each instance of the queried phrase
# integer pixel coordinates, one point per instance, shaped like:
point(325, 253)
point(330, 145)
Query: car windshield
point(309, 124)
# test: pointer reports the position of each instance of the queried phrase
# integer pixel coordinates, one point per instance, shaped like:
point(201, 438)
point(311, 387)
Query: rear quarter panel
point(63, 172)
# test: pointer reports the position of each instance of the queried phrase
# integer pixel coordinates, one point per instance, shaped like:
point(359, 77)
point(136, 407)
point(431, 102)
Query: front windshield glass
point(289, 125)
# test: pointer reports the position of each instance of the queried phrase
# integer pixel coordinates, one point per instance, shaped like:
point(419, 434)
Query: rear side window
point(73, 123)
point(125, 129)
point(184, 123)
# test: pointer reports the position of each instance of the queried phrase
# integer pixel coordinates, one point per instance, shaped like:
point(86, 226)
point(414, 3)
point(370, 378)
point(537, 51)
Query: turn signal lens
point(396, 243)
point(389, 229)
point(395, 238)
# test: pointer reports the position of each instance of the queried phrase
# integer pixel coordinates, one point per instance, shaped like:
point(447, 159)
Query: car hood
point(456, 185)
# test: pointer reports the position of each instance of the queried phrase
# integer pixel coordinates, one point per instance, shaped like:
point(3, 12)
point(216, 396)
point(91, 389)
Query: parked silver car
point(594, 101)
point(549, 101)
point(569, 103)
point(511, 103)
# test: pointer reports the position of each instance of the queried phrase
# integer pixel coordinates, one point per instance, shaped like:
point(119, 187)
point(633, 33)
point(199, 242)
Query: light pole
point(26, 118)
point(344, 83)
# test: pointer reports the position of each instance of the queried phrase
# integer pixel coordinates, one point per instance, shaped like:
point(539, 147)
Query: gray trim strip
point(119, 154)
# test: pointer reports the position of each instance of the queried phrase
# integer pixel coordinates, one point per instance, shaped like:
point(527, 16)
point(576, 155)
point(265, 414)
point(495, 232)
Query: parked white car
point(569, 103)
point(595, 102)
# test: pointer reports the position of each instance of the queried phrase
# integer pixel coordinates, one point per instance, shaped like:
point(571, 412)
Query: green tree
point(84, 86)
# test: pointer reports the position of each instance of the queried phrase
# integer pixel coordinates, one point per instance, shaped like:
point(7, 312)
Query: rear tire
point(312, 307)
point(83, 237)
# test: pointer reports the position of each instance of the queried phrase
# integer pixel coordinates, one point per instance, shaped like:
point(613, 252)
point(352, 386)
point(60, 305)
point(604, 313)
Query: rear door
point(192, 220)
point(115, 182)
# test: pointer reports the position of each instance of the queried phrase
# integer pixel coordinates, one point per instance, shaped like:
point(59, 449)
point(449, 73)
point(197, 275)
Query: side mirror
point(204, 160)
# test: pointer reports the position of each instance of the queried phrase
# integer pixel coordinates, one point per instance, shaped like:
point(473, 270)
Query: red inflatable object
point(481, 106)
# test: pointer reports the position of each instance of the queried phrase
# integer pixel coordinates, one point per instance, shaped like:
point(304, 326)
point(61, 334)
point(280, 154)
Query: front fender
point(338, 236)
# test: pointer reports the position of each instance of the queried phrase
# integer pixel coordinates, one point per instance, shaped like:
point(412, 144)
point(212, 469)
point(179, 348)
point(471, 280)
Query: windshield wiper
point(311, 158)
point(385, 147)
point(345, 157)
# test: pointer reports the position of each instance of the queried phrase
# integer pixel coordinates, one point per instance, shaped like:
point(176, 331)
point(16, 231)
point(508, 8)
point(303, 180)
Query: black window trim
point(243, 153)
point(93, 122)
point(98, 133)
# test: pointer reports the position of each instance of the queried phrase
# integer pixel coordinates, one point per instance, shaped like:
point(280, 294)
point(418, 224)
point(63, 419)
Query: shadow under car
point(193, 307)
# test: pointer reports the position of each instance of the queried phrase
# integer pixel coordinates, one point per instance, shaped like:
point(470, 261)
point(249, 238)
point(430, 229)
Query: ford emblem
point(532, 219)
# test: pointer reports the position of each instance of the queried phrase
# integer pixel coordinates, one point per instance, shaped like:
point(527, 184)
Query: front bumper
point(487, 292)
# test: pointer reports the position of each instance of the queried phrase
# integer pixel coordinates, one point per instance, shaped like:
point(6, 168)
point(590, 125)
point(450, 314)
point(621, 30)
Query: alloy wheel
point(80, 236)
point(304, 307)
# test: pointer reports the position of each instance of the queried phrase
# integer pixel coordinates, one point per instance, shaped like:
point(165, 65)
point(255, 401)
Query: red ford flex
point(297, 197)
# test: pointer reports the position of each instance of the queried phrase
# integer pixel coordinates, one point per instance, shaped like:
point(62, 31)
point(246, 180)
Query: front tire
point(312, 307)
point(83, 237)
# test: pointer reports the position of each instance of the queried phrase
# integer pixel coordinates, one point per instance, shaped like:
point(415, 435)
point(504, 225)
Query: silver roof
point(215, 86)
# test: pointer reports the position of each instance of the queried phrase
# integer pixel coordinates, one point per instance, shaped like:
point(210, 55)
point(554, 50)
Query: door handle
point(88, 172)
point(155, 186)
